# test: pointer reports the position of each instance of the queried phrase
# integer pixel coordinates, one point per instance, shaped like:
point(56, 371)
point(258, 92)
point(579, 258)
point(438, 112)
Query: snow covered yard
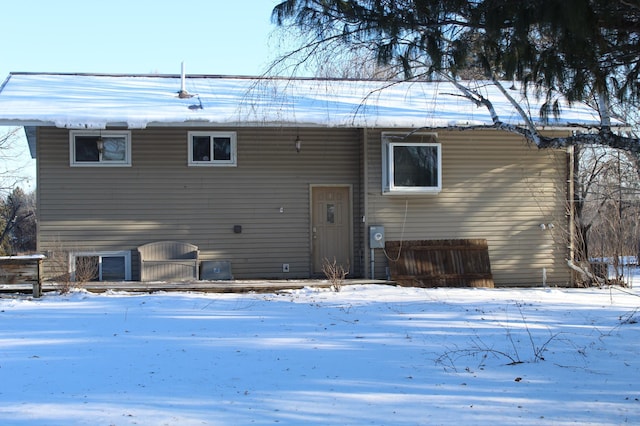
point(375, 355)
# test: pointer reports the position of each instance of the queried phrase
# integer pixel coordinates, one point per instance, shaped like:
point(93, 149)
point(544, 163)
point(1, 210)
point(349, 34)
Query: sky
point(137, 37)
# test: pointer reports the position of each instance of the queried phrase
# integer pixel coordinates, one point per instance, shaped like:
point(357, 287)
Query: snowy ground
point(368, 355)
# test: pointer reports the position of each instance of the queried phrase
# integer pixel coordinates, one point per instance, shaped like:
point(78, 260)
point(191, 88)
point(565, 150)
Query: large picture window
point(100, 148)
point(412, 166)
point(212, 149)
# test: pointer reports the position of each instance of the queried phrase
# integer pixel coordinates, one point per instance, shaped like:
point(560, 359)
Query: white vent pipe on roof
point(182, 82)
point(183, 87)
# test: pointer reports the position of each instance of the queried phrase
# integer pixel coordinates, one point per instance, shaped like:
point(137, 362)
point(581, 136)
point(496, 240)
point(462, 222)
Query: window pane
point(115, 149)
point(201, 148)
point(415, 166)
point(86, 149)
point(331, 213)
point(222, 149)
point(113, 268)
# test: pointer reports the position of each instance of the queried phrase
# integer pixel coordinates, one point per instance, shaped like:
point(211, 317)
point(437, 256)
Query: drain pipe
point(372, 263)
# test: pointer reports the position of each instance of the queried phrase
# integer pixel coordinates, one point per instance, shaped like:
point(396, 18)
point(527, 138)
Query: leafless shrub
point(630, 317)
point(86, 269)
point(57, 269)
point(66, 277)
point(608, 209)
point(514, 353)
point(335, 273)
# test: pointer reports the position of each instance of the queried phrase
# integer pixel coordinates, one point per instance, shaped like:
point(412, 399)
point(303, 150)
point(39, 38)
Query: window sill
point(434, 191)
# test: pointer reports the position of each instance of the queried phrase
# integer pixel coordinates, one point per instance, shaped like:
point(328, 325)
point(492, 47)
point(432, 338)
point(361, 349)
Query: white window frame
point(103, 134)
point(389, 141)
point(100, 254)
point(233, 160)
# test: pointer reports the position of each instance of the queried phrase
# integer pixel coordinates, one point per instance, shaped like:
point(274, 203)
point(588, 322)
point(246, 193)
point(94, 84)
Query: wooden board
point(19, 270)
point(440, 263)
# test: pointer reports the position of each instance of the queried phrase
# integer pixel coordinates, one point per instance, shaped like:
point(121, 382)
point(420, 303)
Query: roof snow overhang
point(97, 101)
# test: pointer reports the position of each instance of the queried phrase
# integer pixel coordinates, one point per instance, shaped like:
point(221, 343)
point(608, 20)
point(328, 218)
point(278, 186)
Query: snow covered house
point(273, 176)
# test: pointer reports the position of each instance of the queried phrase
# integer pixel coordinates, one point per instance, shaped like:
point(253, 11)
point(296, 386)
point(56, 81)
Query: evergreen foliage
point(17, 223)
point(585, 50)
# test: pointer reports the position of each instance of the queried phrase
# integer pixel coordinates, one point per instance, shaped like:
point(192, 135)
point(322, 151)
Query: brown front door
point(330, 226)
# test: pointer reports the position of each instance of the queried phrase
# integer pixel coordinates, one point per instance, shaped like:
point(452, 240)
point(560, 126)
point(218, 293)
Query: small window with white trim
point(111, 148)
point(100, 266)
point(411, 165)
point(212, 149)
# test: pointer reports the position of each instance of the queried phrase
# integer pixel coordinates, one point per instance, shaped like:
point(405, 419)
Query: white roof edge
point(196, 123)
point(619, 127)
point(26, 123)
point(189, 124)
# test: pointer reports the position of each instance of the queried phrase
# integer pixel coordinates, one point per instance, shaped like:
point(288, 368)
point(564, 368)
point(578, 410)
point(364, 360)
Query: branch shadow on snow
point(400, 356)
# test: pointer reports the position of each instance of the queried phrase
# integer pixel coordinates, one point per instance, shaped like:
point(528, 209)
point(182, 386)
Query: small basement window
point(111, 148)
point(212, 149)
point(411, 166)
point(100, 266)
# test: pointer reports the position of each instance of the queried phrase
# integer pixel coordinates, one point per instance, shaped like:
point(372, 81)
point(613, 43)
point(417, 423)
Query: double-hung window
point(212, 149)
point(106, 148)
point(411, 166)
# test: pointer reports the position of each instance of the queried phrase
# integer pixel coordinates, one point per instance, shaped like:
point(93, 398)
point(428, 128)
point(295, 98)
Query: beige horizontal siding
point(160, 198)
point(495, 187)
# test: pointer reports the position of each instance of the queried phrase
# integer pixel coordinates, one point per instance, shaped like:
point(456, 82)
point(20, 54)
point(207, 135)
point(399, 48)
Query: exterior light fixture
point(298, 143)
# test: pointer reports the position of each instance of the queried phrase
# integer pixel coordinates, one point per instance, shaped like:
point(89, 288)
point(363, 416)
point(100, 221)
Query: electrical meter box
point(376, 237)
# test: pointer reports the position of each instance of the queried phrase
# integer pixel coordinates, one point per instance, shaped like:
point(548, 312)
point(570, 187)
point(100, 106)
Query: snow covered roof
point(138, 101)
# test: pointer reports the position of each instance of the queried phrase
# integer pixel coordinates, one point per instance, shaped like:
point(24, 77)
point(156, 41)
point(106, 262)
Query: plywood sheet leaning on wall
point(440, 263)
